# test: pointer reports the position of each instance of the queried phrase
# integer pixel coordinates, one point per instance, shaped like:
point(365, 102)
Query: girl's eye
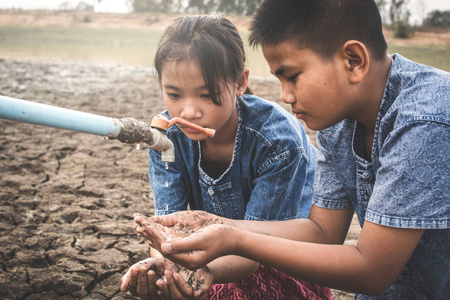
point(206, 96)
point(292, 78)
point(173, 96)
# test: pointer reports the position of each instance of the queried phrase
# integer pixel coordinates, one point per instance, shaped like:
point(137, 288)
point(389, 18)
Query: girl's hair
point(319, 25)
point(211, 42)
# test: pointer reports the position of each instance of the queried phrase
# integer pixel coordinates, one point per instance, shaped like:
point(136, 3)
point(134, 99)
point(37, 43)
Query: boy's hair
point(211, 42)
point(320, 25)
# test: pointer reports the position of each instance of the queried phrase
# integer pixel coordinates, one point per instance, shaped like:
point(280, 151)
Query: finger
point(124, 282)
point(172, 286)
point(183, 287)
point(151, 282)
point(142, 286)
point(162, 290)
point(152, 234)
point(132, 282)
point(140, 219)
point(141, 230)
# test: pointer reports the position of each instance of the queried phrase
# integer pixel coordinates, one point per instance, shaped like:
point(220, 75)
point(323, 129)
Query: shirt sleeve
point(329, 190)
point(170, 191)
point(281, 190)
point(412, 187)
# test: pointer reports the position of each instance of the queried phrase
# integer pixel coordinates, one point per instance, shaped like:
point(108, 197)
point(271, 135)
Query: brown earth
point(67, 198)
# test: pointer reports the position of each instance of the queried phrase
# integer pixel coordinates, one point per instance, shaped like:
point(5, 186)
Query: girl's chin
point(198, 136)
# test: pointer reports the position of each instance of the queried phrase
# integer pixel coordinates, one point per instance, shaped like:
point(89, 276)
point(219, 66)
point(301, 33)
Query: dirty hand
point(158, 278)
point(190, 220)
point(185, 284)
point(196, 250)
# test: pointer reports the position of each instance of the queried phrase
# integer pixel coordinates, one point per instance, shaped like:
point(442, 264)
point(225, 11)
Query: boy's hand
point(196, 250)
point(191, 220)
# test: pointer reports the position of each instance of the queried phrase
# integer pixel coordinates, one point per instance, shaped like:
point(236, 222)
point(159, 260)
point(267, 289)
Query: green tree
point(438, 18)
point(399, 15)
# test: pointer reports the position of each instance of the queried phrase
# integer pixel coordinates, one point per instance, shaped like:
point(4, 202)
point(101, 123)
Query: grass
point(433, 55)
point(137, 46)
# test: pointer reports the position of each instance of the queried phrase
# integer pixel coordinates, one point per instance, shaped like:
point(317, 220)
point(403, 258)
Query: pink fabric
point(269, 284)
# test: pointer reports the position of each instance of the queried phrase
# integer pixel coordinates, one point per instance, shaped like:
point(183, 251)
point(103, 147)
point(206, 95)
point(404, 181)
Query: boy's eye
point(173, 96)
point(292, 78)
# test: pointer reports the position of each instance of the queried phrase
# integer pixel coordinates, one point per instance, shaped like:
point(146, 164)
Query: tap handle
point(161, 122)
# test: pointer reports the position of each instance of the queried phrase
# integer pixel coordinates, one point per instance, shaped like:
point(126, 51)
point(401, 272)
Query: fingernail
point(166, 247)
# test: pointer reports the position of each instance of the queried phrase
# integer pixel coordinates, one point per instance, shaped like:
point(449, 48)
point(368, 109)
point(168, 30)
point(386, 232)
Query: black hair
point(212, 42)
point(320, 25)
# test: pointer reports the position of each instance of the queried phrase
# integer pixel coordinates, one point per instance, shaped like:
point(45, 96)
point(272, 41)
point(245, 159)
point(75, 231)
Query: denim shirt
point(271, 175)
point(407, 184)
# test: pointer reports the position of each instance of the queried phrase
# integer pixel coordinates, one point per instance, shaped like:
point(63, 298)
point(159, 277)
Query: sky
point(418, 10)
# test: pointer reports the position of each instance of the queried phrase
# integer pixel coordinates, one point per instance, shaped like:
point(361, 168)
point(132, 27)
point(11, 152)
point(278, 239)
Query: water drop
point(166, 184)
point(166, 166)
point(138, 146)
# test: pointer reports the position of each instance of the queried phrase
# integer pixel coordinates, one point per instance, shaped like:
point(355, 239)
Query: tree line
point(238, 7)
point(395, 12)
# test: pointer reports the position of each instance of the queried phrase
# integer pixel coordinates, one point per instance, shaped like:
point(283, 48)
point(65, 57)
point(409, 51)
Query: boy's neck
point(373, 91)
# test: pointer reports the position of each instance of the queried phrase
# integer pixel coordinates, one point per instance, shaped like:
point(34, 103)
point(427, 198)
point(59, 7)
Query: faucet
point(126, 130)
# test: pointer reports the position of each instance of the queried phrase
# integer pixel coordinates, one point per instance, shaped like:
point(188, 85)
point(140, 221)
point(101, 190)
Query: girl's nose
point(287, 96)
point(190, 111)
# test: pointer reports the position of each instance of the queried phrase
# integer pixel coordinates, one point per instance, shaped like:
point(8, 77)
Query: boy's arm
point(370, 267)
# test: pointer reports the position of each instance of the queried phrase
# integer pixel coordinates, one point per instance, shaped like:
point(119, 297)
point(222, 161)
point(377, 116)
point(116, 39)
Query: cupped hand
point(185, 284)
point(198, 249)
point(159, 278)
point(189, 220)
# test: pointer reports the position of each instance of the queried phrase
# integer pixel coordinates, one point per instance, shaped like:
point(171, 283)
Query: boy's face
point(317, 90)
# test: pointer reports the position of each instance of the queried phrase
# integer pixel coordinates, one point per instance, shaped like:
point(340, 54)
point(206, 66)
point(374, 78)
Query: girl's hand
point(185, 284)
point(158, 278)
point(196, 250)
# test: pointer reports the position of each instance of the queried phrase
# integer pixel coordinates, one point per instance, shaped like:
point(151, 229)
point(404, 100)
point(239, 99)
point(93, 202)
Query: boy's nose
point(287, 96)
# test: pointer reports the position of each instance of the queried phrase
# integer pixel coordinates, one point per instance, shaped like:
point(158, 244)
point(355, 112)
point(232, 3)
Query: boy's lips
point(300, 114)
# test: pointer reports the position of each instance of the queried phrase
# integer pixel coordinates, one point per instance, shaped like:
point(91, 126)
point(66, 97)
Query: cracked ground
point(67, 198)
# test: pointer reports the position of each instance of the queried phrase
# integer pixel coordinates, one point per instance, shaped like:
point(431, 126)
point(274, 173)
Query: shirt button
point(210, 191)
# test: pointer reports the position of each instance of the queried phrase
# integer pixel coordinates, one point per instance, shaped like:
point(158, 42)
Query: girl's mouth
point(189, 130)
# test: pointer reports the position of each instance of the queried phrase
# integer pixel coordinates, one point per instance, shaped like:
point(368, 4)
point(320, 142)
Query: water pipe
point(126, 130)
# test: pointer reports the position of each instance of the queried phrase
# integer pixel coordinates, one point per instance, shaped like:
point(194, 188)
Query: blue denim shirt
point(407, 184)
point(271, 176)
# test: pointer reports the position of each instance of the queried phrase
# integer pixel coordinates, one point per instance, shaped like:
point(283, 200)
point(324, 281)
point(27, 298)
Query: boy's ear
point(242, 83)
point(356, 57)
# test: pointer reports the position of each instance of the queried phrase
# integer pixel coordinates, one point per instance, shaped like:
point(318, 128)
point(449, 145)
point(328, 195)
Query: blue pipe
point(126, 130)
point(48, 115)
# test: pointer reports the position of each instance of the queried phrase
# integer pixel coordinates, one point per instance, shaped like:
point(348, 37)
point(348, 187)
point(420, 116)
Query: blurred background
point(127, 31)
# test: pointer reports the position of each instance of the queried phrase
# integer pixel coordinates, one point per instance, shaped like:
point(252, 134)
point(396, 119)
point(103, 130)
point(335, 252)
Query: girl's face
point(186, 96)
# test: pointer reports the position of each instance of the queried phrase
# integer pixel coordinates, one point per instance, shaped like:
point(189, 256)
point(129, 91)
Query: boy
point(384, 132)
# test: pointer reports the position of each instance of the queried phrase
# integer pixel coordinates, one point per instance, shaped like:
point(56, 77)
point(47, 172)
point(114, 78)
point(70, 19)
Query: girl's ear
point(357, 61)
point(242, 83)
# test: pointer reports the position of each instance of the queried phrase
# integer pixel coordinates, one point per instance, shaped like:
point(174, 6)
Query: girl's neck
point(217, 152)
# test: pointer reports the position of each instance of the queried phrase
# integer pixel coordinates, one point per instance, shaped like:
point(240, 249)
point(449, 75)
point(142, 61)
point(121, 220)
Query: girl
point(258, 166)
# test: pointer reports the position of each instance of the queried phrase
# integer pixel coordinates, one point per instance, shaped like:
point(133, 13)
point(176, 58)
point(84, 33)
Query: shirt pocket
point(221, 200)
